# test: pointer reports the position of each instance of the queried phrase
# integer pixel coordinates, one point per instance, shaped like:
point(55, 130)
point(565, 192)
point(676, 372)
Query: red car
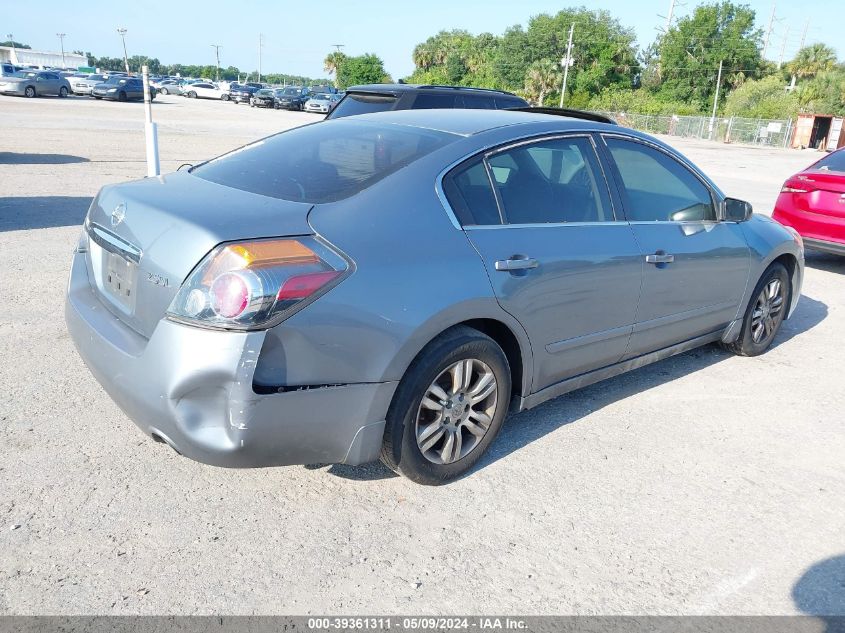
point(813, 203)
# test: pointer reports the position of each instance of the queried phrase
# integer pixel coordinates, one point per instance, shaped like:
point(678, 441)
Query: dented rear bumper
point(193, 388)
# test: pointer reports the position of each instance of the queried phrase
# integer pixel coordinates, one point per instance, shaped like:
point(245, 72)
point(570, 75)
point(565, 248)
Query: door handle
point(659, 258)
point(517, 262)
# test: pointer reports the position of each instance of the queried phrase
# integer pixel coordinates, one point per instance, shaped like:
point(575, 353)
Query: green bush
point(762, 99)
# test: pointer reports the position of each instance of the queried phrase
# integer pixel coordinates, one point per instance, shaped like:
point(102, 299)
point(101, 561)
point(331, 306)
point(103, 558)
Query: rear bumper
point(836, 248)
point(820, 231)
point(192, 388)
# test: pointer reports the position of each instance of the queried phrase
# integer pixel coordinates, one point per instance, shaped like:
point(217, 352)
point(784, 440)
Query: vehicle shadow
point(523, 428)
point(824, 261)
point(15, 158)
point(40, 212)
point(820, 592)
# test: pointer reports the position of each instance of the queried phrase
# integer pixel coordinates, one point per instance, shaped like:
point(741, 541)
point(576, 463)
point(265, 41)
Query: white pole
point(769, 31)
point(150, 132)
point(671, 13)
point(566, 64)
point(716, 100)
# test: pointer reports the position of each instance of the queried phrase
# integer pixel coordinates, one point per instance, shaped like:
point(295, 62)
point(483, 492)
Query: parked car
point(292, 98)
point(35, 83)
point(813, 203)
point(393, 284)
point(264, 98)
point(8, 69)
point(241, 93)
point(170, 87)
point(121, 88)
point(84, 85)
point(323, 102)
point(204, 90)
point(384, 97)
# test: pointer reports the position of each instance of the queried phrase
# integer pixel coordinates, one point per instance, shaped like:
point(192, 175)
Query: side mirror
point(734, 210)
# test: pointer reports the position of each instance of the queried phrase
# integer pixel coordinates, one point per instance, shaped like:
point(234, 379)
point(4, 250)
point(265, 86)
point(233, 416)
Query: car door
point(541, 216)
point(43, 85)
point(696, 266)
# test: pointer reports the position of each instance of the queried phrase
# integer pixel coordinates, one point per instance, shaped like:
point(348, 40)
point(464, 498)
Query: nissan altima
point(392, 285)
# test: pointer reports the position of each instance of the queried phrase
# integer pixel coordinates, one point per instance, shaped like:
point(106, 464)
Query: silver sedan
point(392, 285)
point(35, 83)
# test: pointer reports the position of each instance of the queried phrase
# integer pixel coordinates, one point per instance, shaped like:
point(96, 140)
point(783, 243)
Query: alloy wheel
point(767, 311)
point(456, 411)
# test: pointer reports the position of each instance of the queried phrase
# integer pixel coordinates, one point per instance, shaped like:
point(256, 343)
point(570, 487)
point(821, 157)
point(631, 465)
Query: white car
point(205, 91)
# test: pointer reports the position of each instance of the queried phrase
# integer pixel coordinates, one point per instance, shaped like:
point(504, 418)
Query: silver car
point(323, 103)
point(35, 83)
point(84, 85)
point(392, 285)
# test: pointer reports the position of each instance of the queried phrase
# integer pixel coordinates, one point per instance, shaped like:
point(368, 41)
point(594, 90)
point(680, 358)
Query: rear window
point(360, 103)
point(832, 162)
point(322, 162)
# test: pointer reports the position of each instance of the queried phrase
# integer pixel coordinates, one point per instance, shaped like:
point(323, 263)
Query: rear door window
point(470, 195)
point(431, 101)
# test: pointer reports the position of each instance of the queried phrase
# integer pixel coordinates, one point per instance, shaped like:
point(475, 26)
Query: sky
point(298, 35)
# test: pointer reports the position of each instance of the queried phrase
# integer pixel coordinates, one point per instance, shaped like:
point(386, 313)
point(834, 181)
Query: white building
point(29, 57)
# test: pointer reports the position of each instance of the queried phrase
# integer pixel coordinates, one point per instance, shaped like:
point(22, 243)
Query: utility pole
point(783, 46)
point(804, 34)
point(769, 31)
point(566, 62)
point(11, 37)
point(122, 32)
point(669, 17)
point(217, 48)
point(338, 46)
point(260, 46)
point(716, 100)
point(61, 37)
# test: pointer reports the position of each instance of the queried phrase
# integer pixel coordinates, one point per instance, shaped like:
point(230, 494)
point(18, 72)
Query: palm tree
point(541, 78)
point(332, 62)
point(812, 60)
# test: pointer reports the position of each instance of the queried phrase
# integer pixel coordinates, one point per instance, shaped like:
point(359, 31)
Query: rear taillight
point(797, 184)
point(788, 189)
point(257, 284)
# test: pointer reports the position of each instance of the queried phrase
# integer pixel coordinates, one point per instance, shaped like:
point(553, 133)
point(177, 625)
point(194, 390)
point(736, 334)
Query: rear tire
point(440, 440)
point(765, 313)
point(224, 97)
point(62, 92)
point(192, 95)
point(121, 96)
point(164, 91)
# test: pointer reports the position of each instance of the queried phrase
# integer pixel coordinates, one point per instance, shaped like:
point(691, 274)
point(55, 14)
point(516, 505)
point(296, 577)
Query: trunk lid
point(827, 192)
point(146, 236)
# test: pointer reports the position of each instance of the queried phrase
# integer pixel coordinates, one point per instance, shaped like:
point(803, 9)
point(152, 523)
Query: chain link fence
point(769, 132)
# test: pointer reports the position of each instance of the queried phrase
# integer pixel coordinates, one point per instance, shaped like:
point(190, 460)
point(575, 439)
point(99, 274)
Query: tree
point(812, 60)
point(691, 50)
point(332, 62)
point(542, 77)
point(766, 98)
point(15, 44)
point(363, 69)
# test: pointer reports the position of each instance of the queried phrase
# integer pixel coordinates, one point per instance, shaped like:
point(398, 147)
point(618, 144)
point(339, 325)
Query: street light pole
point(61, 37)
point(11, 37)
point(217, 48)
point(122, 32)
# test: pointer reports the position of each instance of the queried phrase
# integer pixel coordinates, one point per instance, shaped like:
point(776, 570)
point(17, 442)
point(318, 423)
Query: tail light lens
point(257, 284)
point(789, 189)
point(801, 184)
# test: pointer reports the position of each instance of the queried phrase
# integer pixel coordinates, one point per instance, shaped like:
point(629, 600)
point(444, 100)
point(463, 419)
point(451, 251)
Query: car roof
point(467, 122)
point(400, 88)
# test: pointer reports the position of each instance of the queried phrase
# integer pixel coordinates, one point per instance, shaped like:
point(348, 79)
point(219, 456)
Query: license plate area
point(119, 280)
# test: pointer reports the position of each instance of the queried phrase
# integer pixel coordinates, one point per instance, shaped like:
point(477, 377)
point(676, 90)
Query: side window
point(470, 195)
point(478, 102)
point(428, 101)
point(657, 188)
point(551, 181)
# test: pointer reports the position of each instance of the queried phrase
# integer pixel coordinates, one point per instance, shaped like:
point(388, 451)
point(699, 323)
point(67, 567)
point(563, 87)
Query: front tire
point(765, 313)
point(448, 408)
point(121, 96)
point(29, 92)
point(192, 95)
point(164, 91)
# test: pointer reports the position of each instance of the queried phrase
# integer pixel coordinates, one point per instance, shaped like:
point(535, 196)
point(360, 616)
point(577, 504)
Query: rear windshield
point(832, 162)
point(358, 103)
point(322, 162)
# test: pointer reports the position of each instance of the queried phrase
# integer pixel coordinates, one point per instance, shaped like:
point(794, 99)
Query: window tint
point(470, 195)
point(657, 187)
point(429, 101)
point(478, 102)
point(362, 104)
point(509, 102)
point(551, 181)
point(322, 163)
point(832, 162)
